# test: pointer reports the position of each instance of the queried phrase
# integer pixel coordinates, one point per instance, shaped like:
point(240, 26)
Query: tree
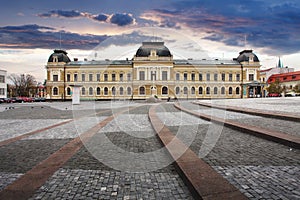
point(275, 87)
point(22, 83)
point(297, 88)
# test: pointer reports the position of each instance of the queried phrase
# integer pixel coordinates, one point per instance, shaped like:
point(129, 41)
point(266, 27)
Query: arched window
point(91, 92)
point(98, 91)
point(223, 90)
point(113, 91)
point(230, 90)
point(68, 91)
point(55, 91)
point(185, 90)
point(237, 90)
point(215, 90)
point(129, 91)
point(105, 91)
point(193, 90)
point(208, 90)
point(121, 91)
point(83, 91)
point(200, 90)
point(142, 90)
point(177, 90)
point(164, 90)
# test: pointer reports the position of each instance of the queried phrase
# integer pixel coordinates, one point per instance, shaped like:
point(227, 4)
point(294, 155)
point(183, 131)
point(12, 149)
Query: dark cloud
point(122, 19)
point(117, 19)
point(273, 26)
point(35, 36)
point(61, 13)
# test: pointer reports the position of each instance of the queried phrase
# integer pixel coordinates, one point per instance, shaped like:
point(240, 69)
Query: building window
point(200, 90)
point(55, 77)
point(177, 76)
point(91, 92)
point(82, 77)
point(177, 90)
point(68, 91)
point(223, 90)
point(68, 77)
point(105, 91)
point(2, 91)
point(208, 90)
point(215, 90)
point(207, 77)
point(237, 90)
point(121, 90)
point(200, 77)
point(193, 76)
point(193, 90)
point(264, 79)
point(230, 90)
point(128, 77)
point(164, 75)
point(55, 91)
point(251, 77)
point(164, 90)
point(185, 90)
point(238, 77)
point(83, 91)
point(185, 76)
point(75, 77)
point(98, 90)
point(223, 76)
point(293, 76)
point(215, 77)
point(105, 77)
point(2, 79)
point(90, 77)
point(142, 75)
point(142, 90)
point(129, 91)
point(98, 77)
point(113, 77)
point(230, 77)
point(121, 77)
point(113, 91)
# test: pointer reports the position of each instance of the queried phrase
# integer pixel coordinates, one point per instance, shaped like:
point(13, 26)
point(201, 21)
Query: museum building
point(153, 72)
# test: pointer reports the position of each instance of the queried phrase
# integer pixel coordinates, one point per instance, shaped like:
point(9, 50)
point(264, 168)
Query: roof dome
point(245, 55)
point(147, 47)
point(61, 56)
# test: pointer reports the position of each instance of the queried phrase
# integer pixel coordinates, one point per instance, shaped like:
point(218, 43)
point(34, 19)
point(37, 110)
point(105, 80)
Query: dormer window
point(251, 57)
point(55, 59)
point(153, 53)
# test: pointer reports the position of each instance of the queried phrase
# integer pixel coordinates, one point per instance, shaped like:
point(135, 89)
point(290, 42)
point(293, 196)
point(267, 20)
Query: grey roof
point(61, 55)
point(145, 49)
point(101, 62)
point(244, 56)
point(206, 62)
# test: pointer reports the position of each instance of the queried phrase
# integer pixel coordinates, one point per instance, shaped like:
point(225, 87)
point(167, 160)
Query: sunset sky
point(114, 29)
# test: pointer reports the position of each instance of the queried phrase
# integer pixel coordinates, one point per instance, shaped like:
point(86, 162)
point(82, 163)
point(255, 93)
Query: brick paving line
point(26, 185)
point(20, 137)
point(256, 112)
point(275, 136)
point(202, 180)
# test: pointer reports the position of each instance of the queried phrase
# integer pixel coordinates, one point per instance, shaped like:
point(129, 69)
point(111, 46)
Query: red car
point(274, 95)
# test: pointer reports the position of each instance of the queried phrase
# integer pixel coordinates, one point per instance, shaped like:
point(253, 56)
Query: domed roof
point(147, 47)
point(61, 55)
point(245, 55)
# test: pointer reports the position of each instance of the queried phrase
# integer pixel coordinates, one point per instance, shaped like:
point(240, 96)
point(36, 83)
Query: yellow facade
point(151, 72)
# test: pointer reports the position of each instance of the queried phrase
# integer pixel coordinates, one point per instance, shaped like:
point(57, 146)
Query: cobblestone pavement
point(282, 104)
point(284, 126)
point(83, 176)
point(261, 169)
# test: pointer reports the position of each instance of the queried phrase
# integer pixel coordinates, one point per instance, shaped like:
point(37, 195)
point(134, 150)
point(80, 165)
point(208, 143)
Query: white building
point(3, 84)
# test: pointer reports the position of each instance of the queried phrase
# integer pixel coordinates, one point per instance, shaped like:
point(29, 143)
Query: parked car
point(22, 99)
point(1, 100)
point(6, 100)
point(274, 95)
point(39, 99)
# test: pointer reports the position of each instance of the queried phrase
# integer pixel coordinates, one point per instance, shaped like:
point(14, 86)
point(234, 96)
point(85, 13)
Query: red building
point(285, 77)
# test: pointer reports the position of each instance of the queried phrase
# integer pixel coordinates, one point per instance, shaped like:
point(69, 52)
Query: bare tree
point(22, 83)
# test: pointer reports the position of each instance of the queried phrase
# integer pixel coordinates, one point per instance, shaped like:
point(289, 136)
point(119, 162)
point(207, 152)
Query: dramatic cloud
point(273, 26)
point(35, 36)
point(117, 19)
